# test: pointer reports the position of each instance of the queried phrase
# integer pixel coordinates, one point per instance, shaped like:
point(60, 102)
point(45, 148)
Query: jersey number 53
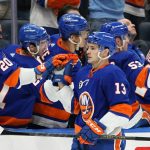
point(134, 64)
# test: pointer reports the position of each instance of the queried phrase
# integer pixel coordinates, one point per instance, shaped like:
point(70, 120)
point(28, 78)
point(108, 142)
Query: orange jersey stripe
point(62, 44)
point(11, 121)
point(43, 98)
point(117, 143)
point(141, 78)
point(12, 80)
point(51, 111)
point(139, 3)
point(83, 141)
point(125, 109)
point(76, 107)
point(135, 107)
point(146, 107)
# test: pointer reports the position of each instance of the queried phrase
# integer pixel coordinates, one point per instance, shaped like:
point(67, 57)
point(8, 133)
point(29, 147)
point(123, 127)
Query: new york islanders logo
point(86, 106)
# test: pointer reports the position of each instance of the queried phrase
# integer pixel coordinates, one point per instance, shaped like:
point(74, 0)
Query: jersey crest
point(86, 106)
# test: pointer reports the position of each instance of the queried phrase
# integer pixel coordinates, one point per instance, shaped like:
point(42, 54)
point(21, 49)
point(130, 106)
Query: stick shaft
point(106, 137)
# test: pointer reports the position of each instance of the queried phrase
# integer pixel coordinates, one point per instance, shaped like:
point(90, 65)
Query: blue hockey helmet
point(106, 27)
point(103, 40)
point(72, 24)
point(31, 33)
point(115, 28)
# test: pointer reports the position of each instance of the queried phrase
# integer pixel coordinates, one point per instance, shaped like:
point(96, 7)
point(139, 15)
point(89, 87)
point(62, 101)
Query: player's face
point(43, 46)
point(92, 53)
point(84, 35)
point(32, 48)
point(76, 38)
point(130, 25)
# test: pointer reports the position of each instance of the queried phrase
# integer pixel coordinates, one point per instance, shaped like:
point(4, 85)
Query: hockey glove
point(64, 76)
point(47, 66)
point(91, 131)
point(60, 60)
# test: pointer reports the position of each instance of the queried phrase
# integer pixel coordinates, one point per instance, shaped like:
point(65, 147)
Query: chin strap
point(77, 44)
point(101, 57)
point(121, 48)
point(34, 53)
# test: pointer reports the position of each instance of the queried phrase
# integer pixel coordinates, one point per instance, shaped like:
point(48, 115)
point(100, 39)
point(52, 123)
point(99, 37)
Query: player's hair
point(65, 10)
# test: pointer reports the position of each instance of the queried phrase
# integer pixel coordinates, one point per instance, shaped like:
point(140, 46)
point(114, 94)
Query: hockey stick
point(106, 137)
point(71, 135)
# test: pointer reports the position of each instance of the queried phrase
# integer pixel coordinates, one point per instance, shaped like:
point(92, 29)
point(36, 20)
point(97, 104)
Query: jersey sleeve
point(57, 4)
point(116, 89)
point(7, 68)
point(48, 92)
point(14, 76)
point(132, 67)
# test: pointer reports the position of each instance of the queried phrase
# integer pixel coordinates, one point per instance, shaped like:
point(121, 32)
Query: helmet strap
point(99, 53)
point(121, 47)
point(34, 53)
point(77, 44)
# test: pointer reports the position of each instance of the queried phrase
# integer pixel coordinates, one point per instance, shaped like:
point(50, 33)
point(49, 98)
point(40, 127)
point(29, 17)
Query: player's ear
point(72, 37)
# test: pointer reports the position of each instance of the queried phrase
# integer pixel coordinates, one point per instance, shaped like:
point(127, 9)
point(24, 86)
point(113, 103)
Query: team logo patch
point(86, 106)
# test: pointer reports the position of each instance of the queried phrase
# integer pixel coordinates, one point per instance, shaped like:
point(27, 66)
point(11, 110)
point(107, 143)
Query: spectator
point(44, 13)
point(67, 9)
point(134, 11)
point(101, 11)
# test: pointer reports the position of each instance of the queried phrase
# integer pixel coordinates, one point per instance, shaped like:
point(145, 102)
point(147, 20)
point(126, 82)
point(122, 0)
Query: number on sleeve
point(5, 64)
point(120, 88)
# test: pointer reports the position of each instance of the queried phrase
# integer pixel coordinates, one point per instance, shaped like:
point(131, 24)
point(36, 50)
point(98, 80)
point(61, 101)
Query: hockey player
point(17, 104)
point(47, 114)
point(13, 76)
point(131, 64)
point(132, 34)
point(100, 97)
point(144, 100)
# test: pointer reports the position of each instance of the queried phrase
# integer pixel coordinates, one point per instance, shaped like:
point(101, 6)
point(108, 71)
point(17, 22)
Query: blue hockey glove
point(91, 131)
point(47, 66)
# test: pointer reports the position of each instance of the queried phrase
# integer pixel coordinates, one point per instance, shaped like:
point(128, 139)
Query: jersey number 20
point(5, 64)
